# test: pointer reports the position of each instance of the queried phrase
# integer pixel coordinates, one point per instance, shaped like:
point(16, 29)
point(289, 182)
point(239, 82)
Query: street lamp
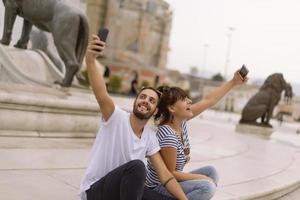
point(229, 35)
point(205, 48)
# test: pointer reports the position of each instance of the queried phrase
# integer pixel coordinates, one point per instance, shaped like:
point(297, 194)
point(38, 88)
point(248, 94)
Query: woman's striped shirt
point(168, 138)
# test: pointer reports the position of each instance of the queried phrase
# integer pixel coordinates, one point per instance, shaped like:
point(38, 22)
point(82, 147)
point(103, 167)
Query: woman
point(175, 109)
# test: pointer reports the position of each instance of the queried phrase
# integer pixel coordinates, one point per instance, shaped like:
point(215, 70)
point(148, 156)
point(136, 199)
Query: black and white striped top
point(168, 138)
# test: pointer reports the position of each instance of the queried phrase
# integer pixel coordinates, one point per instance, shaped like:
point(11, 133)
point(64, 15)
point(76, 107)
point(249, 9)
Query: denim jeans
point(197, 189)
point(150, 194)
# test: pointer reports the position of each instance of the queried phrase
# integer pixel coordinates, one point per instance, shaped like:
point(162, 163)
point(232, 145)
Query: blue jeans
point(197, 189)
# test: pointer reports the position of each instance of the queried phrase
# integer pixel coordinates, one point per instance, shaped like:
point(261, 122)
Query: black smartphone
point(102, 34)
point(243, 71)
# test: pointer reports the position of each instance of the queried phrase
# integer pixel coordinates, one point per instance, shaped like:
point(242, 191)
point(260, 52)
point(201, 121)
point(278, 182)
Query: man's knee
point(137, 167)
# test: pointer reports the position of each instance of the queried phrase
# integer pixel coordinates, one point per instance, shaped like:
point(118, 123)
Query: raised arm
point(214, 96)
point(97, 82)
point(166, 178)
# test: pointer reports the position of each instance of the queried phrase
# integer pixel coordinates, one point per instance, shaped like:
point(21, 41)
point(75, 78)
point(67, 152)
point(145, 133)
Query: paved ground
point(249, 166)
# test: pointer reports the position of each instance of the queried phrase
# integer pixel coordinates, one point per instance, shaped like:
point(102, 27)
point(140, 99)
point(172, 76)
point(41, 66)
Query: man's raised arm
point(94, 68)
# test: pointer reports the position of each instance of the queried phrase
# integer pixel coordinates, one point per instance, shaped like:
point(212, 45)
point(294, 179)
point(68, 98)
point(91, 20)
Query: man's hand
point(95, 49)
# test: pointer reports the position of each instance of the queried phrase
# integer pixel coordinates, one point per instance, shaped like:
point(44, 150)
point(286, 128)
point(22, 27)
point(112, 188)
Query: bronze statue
point(288, 94)
point(262, 104)
point(39, 40)
point(67, 24)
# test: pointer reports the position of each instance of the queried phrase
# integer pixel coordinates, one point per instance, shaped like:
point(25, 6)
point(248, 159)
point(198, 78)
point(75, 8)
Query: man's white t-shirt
point(115, 145)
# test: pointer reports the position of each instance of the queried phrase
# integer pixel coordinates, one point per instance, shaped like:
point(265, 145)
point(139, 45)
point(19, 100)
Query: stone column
point(96, 12)
point(113, 22)
point(164, 50)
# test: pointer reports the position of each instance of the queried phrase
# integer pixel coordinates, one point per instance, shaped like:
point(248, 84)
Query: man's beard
point(141, 115)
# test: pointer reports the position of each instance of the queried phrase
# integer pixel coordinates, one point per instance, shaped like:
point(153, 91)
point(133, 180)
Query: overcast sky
point(266, 36)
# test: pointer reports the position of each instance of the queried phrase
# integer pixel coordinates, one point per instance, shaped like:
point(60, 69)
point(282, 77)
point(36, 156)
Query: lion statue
point(68, 25)
point(288, 94)
point(262, 104)
point(40, 40)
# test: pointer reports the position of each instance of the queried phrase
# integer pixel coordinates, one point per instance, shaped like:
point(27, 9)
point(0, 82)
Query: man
point(116, 170)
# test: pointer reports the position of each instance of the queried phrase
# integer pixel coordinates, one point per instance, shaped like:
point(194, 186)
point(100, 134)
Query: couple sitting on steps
point(116, 170)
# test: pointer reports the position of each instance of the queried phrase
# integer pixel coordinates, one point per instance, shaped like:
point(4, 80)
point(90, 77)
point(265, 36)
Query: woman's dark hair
point(170, 95)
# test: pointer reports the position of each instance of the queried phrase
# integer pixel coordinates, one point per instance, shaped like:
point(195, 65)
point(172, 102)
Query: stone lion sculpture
point(288, 93)
point(40, 40)
point(68, 25)
point(262, 104)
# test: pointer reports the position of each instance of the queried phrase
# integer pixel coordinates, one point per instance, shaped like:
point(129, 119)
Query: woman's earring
point(172, 118)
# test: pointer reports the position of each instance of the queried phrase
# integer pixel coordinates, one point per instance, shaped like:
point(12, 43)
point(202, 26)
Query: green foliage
point(145, 84)
point(114, 84)
point(194, 70)
point(85, 82)
point(217, 77)
point(165, 84)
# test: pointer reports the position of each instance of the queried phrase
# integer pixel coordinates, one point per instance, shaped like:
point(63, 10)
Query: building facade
point(138, 42)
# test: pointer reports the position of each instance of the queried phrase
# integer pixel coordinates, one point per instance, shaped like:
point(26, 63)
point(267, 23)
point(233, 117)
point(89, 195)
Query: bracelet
point(168, 181)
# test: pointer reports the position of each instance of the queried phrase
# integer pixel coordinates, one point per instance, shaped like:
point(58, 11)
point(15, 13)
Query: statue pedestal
point(37, 111)
point(31, 105)
point(28, 67)
point(252, 129)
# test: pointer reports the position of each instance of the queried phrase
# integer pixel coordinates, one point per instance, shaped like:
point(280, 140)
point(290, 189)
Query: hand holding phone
point(243, 71)
point(103, 33)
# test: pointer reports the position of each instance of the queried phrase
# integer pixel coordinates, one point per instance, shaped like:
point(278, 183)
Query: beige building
point(234, 100)
point(291, 110)
point(139, 37)
point(198, 85)
point(296, 108)
point(175, 78)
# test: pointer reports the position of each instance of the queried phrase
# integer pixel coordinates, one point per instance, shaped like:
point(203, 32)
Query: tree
point(217, 77)
point(114, 84)
point(194, 70)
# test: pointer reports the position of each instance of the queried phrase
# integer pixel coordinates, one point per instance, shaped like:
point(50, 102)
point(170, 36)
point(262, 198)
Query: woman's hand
point(212, 180)
point(207, 178)
point(238, 79)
